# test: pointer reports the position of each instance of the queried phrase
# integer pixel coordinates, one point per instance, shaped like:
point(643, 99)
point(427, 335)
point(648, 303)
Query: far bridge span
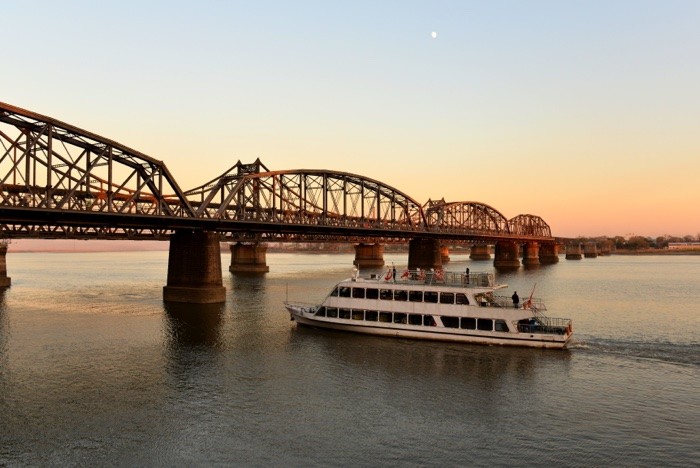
point(58, 181)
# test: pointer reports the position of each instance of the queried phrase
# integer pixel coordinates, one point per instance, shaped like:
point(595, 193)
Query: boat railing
point(449, 278)
point(303, 306)
point(535, 303)
point(541, 324)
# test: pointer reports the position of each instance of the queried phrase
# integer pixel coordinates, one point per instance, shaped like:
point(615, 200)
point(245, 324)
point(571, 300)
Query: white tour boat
point(434, 305)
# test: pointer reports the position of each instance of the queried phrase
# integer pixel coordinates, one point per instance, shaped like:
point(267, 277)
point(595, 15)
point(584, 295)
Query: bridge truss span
point(465, 217)
point(46, 164)
point(529, 225)
point(59, 181)
point(311, 197)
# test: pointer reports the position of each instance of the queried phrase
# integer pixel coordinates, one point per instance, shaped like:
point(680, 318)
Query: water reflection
point(4, 330)
point(485, 365)
point(409, 379)
point(252, 284)
point(249, 304)
point(193, 324)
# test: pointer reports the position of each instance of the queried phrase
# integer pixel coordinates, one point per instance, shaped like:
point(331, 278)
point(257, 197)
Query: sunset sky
point(586, 113)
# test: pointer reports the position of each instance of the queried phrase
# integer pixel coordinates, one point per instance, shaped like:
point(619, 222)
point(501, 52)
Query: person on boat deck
point(516, 299)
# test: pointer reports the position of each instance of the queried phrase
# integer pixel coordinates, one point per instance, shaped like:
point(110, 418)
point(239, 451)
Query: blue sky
point(583, 112)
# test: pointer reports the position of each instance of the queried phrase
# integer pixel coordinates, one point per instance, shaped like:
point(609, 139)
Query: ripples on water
point(94, 369)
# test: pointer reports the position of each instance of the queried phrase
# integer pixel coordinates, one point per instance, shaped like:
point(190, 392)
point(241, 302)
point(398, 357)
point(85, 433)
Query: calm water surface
point(96, 370)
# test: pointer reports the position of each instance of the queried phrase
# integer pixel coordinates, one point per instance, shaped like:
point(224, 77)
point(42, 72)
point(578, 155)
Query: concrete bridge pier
point(506, 256)
point(531, 254)
point(549, 253)
point(424, 254)
point(248, 258)
point(573, 252)
point(480, 252)
point(5, 281)
point(590, 250)
point(194, 268)
point(369, 255)
point(444, 254)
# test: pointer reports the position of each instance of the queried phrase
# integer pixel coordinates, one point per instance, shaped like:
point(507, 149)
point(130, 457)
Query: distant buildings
point(684, 245)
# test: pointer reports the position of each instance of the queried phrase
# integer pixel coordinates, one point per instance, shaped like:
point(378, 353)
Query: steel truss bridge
point(58, 181)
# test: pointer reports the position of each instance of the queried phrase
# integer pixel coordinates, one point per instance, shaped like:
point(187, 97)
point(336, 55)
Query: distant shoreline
point(656, 252)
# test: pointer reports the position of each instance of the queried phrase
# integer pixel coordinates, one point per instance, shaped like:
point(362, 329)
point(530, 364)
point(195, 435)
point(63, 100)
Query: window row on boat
point(433, 297)
point(464, 323)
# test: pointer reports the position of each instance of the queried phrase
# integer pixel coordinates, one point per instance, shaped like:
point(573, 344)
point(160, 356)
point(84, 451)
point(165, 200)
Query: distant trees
point(640, 242)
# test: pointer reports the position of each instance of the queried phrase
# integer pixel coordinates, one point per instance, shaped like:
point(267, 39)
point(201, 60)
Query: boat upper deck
point(435, 277)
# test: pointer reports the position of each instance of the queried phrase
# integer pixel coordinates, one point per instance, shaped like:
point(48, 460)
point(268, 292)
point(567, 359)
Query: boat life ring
point(439, 275)
point(421, 274)
point(388, 275)
point(405, 274)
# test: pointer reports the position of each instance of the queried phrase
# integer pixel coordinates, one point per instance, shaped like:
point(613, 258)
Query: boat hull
point(304, 316)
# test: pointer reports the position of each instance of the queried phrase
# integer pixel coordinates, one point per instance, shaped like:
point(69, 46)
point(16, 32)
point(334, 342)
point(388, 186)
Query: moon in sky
point(434, 34)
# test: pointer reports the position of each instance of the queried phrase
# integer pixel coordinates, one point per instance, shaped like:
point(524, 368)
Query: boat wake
point(687, 354)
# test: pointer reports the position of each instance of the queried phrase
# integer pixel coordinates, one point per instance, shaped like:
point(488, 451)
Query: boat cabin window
point(344, 313)
point(371, 315)
point(468, 323)
point(385, 317)
point(344, 291)
point(321, 312)
point(334, 293)
point(386, 294)
point(332, 312)
point(430, 296)
point(358, 314)
point(484, 324)
point(400, 295)
point(358, 293)
point(447, 298)
point(450, 322)
point(372, 293)
point(415, 296)
point(501, 326)
point(399, 318)
point(462, 298)
point(428, 321)
point(415, 319)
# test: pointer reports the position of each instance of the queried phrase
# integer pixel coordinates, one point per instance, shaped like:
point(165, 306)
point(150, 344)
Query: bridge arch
point(465, 216)
point(529, 225)
point(49, 164)
point(250, 192)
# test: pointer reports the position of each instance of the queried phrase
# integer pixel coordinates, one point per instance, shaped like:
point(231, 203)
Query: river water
point(95, 370)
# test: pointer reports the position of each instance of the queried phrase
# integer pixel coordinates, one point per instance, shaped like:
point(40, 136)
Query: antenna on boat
point(533, 290)
point(528, 304)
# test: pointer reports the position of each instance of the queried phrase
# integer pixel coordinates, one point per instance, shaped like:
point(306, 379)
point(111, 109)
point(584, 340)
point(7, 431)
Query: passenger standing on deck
point(516, 299)
point(466, 276)
point(393, 269)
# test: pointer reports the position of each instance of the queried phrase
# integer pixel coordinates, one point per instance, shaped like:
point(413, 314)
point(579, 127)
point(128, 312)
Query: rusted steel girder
point(307, 196)
point(465, 216)
point(529, 225)
point(46, 163)
point(59, 181)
